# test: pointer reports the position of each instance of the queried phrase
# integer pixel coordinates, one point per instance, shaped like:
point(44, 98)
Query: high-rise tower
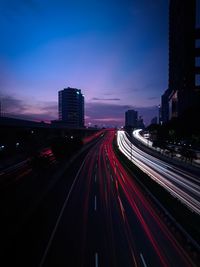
point(184, 63)
point(131, 119)
point(71, 107)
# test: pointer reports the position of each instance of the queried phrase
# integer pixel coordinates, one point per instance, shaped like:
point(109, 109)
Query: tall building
point(184, 64)
point(154, 120)
point(71, 107)
point(140, 123)
point(0, 109)
point(131, 118)
point(197, 48)
point(165, 107)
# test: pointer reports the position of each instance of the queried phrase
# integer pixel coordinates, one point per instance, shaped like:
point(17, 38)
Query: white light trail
point(139, 137)
point(179, 183)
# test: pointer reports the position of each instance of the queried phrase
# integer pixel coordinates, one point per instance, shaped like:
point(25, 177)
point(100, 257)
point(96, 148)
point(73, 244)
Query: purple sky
point(116, 52)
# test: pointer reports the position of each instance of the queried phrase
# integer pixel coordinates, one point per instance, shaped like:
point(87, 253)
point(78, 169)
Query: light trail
point(139, 137)
point(124, 225)
point(95, 203)
point(127, 191)
point(182, 185)
point(143, 261)
point(96, 260)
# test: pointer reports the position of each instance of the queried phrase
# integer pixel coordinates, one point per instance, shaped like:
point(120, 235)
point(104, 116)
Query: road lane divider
point(96, 260)
point(122, 177)
point(59, 217)
point(111, 178)
point(143, 261)
point(122, 208)
point(95, 203)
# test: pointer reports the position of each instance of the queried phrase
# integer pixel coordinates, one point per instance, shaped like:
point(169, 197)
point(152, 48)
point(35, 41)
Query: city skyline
point(100, 133)
point(117, 53)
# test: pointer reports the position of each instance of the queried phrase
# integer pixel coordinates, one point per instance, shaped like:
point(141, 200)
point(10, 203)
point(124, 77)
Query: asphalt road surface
point(180, 183)
point(106, 220)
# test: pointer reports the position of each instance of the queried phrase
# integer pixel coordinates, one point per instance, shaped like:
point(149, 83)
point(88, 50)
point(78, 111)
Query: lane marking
point(59, 217)
point(95, 178)
point(96, 260)
point(95, 202)
point(122, 208)
point(111, 177)
point(143, 261)
point(122, 177)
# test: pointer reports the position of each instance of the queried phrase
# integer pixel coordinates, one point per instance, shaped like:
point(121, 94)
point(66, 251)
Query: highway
point(180, 183)
point(106, 220)
point(138, 136)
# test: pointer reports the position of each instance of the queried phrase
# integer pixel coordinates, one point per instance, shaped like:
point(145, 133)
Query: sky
point(115, 51)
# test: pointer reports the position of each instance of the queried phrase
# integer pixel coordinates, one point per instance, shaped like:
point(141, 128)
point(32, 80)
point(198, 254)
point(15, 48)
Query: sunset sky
point(116, 52)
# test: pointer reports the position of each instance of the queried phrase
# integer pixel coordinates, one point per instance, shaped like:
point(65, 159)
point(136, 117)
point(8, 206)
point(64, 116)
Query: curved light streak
point(140, 138)
point(183, 186)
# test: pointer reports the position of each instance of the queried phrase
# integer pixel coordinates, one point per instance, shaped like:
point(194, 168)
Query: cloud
point(109, 120)
point(49, 106)
point(114, 114)
point(105, 99)
point(103, 114)
point(131, 90)
point(12, 106)
point(152, 97)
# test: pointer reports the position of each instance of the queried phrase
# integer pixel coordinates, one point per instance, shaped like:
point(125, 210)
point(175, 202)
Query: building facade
point(140, 123)
point(197, 47)
point(165, 107)
point(154, 120)
point(131, 118)
point(184, 63)
point(71, 107)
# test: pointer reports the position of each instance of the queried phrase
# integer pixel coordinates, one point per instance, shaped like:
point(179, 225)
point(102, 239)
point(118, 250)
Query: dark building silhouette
point(197, 47)
point(71, 107)
point(184, 47)
point(165, 107)
point(159, 114)
point(131, 119)
point(24, 123)
point(0, 109)
point(140, 123)
point(154, 120)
